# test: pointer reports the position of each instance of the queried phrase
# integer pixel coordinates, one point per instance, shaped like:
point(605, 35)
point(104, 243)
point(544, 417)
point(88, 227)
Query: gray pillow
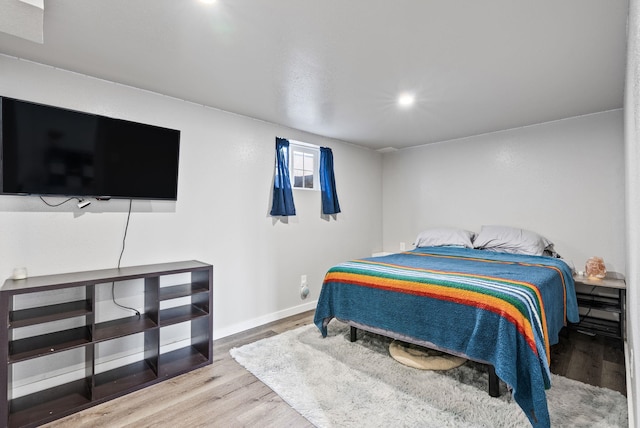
point(511, 240)
point(440, 237)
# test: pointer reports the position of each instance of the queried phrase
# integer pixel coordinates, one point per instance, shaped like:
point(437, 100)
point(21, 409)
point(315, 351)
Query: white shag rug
point(335, 383)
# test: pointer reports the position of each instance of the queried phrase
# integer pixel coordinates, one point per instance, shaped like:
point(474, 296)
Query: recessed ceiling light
point(406, 100)
point(207, 1)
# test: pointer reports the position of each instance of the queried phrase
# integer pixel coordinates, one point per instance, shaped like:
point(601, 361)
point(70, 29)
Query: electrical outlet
point(304, 292)
point(402, 246)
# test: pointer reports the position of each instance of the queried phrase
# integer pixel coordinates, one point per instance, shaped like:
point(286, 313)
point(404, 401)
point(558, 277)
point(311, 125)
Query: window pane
point(298, 178)
point(308, 162)
point(308, 181)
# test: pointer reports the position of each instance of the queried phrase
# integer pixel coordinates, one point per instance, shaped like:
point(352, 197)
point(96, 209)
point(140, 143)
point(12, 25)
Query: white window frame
point(309, 149)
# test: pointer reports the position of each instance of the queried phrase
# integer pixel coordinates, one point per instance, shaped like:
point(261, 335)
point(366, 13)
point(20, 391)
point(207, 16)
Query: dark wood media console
point(33, 334)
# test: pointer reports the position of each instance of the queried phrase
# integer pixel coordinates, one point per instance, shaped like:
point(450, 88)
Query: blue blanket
point(502, 309)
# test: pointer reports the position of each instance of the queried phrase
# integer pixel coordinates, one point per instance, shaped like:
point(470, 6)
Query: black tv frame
point(123, 171)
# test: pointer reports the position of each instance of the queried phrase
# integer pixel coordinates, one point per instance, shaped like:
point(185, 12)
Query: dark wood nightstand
point(602, 305)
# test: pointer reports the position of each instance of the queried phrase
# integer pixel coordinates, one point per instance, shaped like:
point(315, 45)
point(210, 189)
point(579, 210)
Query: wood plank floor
point(226, 395)
point(594, 360)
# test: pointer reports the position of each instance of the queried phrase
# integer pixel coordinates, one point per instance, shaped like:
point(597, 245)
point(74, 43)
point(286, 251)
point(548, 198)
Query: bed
point(497, 308)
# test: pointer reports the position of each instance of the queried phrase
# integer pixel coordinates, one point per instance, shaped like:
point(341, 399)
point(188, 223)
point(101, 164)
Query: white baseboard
point(630, 396)
point(219, 333)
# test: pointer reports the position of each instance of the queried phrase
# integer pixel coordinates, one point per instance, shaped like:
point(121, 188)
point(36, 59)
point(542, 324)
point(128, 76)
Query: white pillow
point(440, 237)
point(511, 240)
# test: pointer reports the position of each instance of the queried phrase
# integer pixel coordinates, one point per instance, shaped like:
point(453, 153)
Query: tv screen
point(53, 151)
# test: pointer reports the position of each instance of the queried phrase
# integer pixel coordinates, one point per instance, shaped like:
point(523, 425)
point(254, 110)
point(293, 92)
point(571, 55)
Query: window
point(304, 165)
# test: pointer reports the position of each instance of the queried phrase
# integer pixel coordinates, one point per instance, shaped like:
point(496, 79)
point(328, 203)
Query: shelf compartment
point(122, 327)
point(601, 303)
point(37, 346)
point(52, 403)
point(183, 290)
point(44, 314)
point(600, 326)
point(180, 314)
point(181, 361)
point(123, 379)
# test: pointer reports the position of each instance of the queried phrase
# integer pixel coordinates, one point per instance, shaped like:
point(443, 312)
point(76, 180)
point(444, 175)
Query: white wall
point(221, 216)
point(563, 179)
point(632, 164)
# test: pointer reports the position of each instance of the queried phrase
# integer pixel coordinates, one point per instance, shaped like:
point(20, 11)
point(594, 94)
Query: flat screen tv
point(52, 151)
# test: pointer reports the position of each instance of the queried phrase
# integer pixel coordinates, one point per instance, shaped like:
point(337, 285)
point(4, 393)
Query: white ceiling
point(336, 67)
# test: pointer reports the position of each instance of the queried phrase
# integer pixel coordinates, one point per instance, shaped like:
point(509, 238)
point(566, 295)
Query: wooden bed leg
point(494, 383)
point(353, 334)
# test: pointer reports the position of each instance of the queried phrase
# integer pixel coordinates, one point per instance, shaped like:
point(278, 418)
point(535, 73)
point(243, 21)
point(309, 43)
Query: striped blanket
point(501, 309)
